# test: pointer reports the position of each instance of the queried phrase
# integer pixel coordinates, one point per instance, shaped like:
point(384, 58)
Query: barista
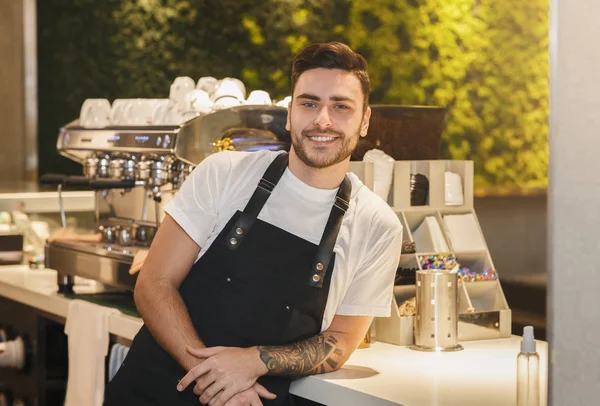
point(268, 265)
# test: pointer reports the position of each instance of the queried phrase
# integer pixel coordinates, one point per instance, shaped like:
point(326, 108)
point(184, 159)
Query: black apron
point(256, 285)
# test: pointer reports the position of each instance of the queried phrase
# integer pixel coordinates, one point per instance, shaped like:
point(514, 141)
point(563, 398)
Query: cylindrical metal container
point(129, 169)
point(159, 173)
point(143, 170)
point(436, 321)
point(91, 167)
point(103, 168)
point(115, 168)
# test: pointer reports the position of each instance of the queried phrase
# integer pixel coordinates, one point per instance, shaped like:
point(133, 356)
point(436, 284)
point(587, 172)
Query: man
point(268, 266)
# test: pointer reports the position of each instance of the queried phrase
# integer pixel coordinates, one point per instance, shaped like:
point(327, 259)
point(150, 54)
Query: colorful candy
point(465, 275)
point(440, 261)
point(448, 262)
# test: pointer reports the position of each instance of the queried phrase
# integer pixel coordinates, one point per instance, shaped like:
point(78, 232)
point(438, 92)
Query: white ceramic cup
point(95, 113)
point(180, 86)
point(259, 97)
point(162, 111)
point(226, 102)
point(198, 101)
point(139, 112)
point(285, 102)
point(118, 111)
point(208, 84)
point(229, 87)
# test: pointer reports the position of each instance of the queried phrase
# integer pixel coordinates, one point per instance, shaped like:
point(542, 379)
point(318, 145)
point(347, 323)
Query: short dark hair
point(332, 55)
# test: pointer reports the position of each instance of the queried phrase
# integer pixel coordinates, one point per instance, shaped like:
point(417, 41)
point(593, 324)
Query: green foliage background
point(486, 60)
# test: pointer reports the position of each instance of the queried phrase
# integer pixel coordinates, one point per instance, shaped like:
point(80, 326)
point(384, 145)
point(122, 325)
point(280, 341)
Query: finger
point(264, 392)
point(255, 401)
point(193, 375)
point(237, 400)
point(206, 352)
point(214, 399)
point(203, 383)
point(208, 395)
point(251, 397)
point(135, 268)
point(224, 396)
point(137, 262)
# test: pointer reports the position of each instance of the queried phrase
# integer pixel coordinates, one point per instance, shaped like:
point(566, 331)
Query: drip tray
point(122, 301)
point(105, 263)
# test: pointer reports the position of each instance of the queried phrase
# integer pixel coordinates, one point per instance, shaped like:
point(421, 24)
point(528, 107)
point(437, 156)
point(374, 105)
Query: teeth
point(322, 139)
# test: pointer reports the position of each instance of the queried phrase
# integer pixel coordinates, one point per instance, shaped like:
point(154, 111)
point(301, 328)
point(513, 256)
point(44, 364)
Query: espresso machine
point(134, 171)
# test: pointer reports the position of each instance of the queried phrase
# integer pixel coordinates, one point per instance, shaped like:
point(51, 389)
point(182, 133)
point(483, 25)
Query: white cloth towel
point(118, 353)
point(87, 328)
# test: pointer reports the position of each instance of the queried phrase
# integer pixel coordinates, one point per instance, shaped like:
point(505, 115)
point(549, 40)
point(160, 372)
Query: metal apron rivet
point(228, 279)
point(316, 278)
point(239, 231)
point(233, 241)
point(319, 266)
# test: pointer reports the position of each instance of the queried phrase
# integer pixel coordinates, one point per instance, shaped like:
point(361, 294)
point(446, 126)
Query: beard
point(325, 156)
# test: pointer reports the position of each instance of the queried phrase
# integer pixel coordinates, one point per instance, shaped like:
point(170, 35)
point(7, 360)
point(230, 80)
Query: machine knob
point(12, 354)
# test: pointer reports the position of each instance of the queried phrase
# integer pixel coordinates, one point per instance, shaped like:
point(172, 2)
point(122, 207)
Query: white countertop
point(483, 373)
point(37, 288)
point(31, 200)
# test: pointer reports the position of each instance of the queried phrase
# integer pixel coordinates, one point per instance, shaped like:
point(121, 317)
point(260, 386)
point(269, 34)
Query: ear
point(288, 125)
point(364, 127)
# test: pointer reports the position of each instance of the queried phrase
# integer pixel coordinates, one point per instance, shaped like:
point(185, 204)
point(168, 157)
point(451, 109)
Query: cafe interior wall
point(485, 60)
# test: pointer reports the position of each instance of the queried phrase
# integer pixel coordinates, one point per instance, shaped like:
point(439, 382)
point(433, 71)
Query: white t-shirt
point(368, 246)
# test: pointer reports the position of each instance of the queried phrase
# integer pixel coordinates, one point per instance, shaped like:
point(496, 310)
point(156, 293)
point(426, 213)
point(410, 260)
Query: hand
point(138, 261)
point(250, 397)
point(226, 372)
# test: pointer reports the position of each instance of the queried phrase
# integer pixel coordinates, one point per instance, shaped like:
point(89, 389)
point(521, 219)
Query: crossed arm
point(221, 374)
point(322, 353)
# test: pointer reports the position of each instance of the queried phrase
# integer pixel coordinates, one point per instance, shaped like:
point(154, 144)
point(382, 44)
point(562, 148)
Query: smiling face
point(326, 117)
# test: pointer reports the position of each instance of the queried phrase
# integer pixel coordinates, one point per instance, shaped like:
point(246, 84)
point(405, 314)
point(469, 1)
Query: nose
point(322, 120)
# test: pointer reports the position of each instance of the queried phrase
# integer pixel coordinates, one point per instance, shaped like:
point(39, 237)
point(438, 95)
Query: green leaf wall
point(486, 60)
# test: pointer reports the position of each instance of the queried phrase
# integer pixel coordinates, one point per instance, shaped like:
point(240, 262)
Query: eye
point(308, 104)
point(341, 107)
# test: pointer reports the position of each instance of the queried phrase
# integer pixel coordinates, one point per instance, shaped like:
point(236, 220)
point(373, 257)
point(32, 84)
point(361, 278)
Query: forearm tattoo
point(314, 355)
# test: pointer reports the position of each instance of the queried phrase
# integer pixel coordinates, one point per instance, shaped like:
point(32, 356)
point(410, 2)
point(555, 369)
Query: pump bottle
point(528, 371)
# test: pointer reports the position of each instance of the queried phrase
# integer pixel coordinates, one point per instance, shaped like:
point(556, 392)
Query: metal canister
point(187, 169)
point(129, 169)
point(143, 170)
point(436, 320)
point(103, 168)
point(159, 173)
point(115, 169)
point(145, 234)
point(108, 233)
point(125, 235)
point(91, 167)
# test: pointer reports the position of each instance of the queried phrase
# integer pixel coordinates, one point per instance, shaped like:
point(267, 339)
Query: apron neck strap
point(265, 186)
point(332, 229)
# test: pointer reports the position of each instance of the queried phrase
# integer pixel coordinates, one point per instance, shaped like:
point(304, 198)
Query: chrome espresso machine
point(134, 172)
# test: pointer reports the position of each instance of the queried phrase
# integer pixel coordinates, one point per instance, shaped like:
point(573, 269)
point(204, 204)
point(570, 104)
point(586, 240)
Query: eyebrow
point(332, 98)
